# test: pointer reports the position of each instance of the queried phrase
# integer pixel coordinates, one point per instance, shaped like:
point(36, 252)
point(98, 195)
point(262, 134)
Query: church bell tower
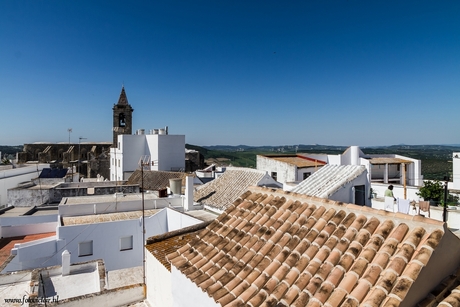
point(122, 117)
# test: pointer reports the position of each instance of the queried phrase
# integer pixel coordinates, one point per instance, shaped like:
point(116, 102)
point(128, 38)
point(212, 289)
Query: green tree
point(431, 190)
point(434, 190)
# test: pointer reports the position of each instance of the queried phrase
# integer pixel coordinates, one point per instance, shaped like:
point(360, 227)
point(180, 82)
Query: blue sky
point(233, 72)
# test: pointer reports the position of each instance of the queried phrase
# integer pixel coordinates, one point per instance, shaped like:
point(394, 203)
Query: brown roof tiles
point(276, 248)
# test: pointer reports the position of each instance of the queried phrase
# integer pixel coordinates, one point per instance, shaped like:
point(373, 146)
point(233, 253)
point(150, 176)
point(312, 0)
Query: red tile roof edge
point(350, 207)
point(178, 232)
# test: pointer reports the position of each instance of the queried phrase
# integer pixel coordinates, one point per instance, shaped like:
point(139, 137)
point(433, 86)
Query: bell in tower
point(122, 117)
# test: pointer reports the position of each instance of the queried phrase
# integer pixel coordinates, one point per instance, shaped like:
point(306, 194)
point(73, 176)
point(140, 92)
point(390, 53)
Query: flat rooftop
point(20, 211)
point(203, 215)
point(107, 198)
point(7, 244)
point(297, 160)
point(108, 217)
point(76, 284)
point(124, 277)
point(16, 289)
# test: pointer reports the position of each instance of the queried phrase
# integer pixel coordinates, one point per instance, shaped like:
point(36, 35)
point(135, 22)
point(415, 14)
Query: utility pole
point(446, 191)
point(144, 161)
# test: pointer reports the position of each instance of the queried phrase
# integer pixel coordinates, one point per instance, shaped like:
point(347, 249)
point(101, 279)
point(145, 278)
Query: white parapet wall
point(27, 225)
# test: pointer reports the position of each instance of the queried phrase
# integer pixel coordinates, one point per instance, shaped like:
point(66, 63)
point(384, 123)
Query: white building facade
point(166, 153)
point(108, 231)
point(456, 171)
point(288, 168)
point(11, 178)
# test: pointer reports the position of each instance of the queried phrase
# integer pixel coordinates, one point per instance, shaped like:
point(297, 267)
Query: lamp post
point(79, 155)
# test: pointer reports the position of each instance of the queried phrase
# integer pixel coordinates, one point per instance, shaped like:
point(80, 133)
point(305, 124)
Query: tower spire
point(123, 100)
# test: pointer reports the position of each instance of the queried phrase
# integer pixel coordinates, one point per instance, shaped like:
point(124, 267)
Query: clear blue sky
point(233, 72)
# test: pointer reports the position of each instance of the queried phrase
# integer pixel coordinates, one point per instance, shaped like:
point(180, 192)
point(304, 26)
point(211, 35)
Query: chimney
point(65, 263)
point(188, 193)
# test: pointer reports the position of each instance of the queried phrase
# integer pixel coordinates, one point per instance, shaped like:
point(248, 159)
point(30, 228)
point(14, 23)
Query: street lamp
point(79, 155)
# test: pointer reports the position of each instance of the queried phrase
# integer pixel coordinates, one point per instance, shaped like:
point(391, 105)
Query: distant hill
point(10, 150)
point(436, 159)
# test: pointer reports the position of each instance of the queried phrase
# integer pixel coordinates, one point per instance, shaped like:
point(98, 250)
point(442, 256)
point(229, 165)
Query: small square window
point(126, 243)
point(85, 248)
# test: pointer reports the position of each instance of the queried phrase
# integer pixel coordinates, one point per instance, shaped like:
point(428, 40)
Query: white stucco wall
point(171, 153)
point(106, 241)
point(302, 171)
point(346, 193)
point(185, 293)
point(12, 177)
point(158, 279)
point(26, 225)
point(398, 191)
point(456, 170)
point(177, 220)
point(285, 172)
point(165, 150)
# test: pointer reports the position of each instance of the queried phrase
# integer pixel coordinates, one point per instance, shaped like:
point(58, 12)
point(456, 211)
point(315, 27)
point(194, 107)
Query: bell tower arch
point(122, 117)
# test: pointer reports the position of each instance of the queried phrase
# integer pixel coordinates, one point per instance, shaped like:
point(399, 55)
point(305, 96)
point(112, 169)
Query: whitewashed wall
point(177, 220)
point(35, 254)
point(10, 179)
point(159, 292)
point(398, 191)
point(106, 242)
point(285, 172)
point(456, 170)
point(185, 293)
point(121, 206)
point(346, 193)
point(171, 152)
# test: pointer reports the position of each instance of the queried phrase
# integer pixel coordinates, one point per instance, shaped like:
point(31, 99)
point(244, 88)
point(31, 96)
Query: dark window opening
point(122, 120)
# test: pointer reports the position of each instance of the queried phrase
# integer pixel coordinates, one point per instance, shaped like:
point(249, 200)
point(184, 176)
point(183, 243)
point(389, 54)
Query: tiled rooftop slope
point(223, 191)
point(274, 248)
point(155, 180)
point(328, 180)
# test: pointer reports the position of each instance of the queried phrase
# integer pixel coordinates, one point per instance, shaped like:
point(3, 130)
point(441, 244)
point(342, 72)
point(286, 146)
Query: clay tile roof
point(224, 190)
point(155, 180)
point(276, 248)
point(167, 243)
point(329, 179)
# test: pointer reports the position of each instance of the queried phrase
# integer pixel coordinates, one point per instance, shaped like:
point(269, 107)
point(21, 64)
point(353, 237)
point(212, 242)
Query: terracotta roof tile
point(155, 180)
point(285, 249)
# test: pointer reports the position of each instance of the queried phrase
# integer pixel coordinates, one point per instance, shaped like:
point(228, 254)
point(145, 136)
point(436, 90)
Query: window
point(274, 175)
point(126, 243)
point(118, 162)
point(306, 175)
point(85, 248)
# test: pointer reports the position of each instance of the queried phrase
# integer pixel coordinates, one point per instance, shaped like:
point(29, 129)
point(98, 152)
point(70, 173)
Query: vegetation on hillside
point(436, 159)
